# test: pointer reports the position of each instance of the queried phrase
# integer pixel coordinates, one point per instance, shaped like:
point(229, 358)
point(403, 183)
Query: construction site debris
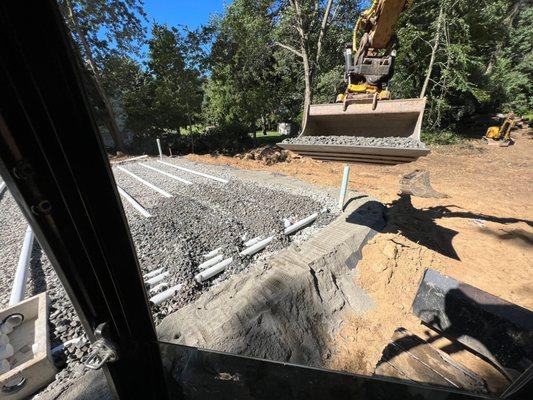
point(269, 154)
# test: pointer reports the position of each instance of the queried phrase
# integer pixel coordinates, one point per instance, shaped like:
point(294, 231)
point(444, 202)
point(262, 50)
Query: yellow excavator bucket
point(388, 134)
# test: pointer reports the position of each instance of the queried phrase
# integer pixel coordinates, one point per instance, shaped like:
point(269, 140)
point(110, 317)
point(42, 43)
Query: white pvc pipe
point(19, 283)
point(3, 187)
point(164, 296)
point(159, 148)
point(158, 287)
point(167, 174)
point(145, 182)
point(153, 273)
point(213, 253)
point(214, 270)
point(156, 279)
point(133, 202)
point(195, 172)
point(344, 186)
point(300, 224)
point(257, 247)
point(252, 241)
point(211, 262)
point(76, 341)
point(129, 159)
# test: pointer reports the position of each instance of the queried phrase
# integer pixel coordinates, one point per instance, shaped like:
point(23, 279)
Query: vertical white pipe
point(159, 148)
point(344, 186)
point(2, 187)
point(19, 283)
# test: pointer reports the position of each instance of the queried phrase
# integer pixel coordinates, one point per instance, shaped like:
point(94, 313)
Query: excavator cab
point(366, 124)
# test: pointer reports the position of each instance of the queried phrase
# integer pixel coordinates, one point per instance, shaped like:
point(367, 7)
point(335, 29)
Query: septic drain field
point(195, 210)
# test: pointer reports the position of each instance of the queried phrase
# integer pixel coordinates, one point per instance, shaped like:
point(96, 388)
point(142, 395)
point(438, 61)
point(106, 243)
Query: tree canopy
point(260, 62)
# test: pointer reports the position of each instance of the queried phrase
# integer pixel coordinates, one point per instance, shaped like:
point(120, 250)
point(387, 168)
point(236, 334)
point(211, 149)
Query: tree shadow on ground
point(419, 224)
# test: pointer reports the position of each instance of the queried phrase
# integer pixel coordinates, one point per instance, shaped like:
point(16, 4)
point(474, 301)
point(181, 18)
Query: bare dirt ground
point(482, 234)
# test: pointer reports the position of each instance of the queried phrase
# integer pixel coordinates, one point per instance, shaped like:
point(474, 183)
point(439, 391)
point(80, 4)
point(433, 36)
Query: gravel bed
point(198, 218)
point(390, 141)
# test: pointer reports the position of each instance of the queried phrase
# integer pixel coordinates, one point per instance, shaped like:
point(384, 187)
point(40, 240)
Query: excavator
point(366, 109)
point(501, 135)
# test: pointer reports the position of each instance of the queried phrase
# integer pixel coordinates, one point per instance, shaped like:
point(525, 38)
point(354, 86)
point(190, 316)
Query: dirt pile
point(269, 155)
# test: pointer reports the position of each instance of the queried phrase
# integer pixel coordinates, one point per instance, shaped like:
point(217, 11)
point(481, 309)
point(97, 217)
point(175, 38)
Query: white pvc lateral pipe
point(195, 172)
point(153, 273)
point(3, 187)
point(214, 270)
point(134, 202)
point(257, 247)
point(344, 186)
point(159, 148)
point(21, 274)
point(167, 174)
point(156, 279)
point(253, 241)
point(164, 296)
point(213, 253)
point(158, 287)
point(300, 224)
point(211, 262)
point(130, 159)
point(145, 182)
point(76, 341)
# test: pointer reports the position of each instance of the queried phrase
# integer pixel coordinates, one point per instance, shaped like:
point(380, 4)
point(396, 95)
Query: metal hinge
point(103, 350)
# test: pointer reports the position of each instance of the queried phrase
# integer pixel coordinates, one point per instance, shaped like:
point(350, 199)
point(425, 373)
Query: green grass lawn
point(272, 137)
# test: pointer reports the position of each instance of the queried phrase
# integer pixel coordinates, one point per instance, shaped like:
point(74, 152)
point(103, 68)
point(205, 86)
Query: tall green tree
point(103, 27)
point(168, 95)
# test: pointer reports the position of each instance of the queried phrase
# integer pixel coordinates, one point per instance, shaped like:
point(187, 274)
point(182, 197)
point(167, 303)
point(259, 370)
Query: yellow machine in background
point(501, 135)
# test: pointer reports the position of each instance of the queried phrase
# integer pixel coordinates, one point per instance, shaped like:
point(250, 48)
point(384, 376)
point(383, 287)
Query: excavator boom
point(349, 129)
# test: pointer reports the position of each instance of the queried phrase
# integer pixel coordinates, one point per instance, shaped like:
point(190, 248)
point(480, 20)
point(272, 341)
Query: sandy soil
point(482, 234)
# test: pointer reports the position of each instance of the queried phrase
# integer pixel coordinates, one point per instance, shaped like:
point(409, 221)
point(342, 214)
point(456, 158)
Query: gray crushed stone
point(390, 141)
point(197, 219)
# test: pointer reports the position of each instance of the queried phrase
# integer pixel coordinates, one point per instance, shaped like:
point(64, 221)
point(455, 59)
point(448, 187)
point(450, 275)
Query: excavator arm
point(369, 58)
point(365, 124)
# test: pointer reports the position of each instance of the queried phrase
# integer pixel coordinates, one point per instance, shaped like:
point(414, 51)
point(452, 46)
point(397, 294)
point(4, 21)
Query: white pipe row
point(211, 262)
point(257, 247)
point(253, 241)
point(167, 174)
point(21, 274)
point(156, 279)
point(145, 182)
point(300, 224)
point(3, 187)
point(214, 270)
point(194, 172)
point(79, 341)
point(129, 159)
point(153, 273)
point(158, 287)
point(133, 202)
point(213, 253)
point(165, 295)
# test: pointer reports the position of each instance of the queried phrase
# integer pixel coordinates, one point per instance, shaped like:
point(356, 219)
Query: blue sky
point(182, 12)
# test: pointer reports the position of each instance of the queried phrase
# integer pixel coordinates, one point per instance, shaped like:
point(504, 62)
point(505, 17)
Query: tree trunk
point(112, 123)
point(434, 49)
